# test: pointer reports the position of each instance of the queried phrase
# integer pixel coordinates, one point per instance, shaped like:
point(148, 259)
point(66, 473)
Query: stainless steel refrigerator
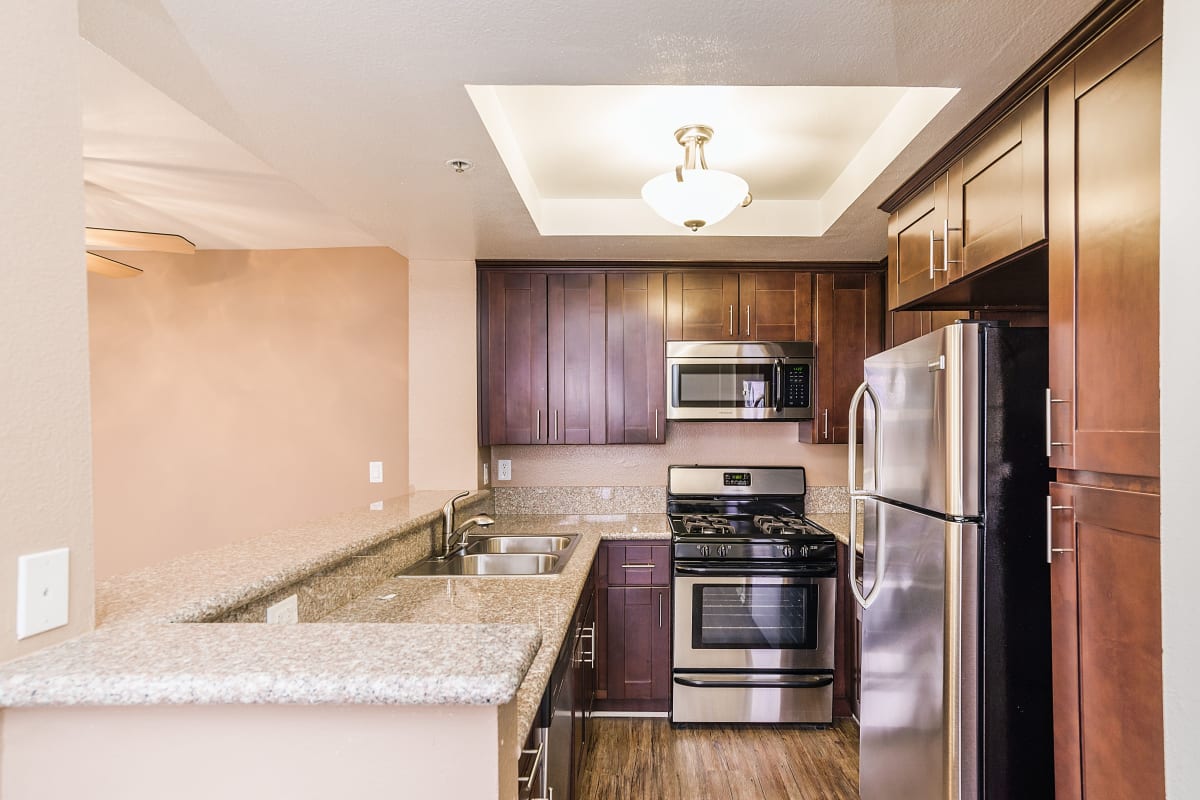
point(955, 686)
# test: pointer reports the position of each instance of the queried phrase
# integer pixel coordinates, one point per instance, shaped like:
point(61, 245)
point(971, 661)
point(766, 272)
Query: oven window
point(724, 385)
point(750, 616)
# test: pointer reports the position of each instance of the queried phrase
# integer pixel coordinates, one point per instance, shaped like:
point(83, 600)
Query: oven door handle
point(796, 682)
point(753, 572)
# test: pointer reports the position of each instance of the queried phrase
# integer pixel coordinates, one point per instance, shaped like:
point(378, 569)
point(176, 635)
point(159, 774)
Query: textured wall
point(443, 449)
point(1180, 287)
point(237, 391)
point(745, 443)
point(45, 462)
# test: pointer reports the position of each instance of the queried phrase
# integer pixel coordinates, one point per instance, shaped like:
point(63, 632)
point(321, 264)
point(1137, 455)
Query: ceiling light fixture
point(692, 195)
point(460, 165)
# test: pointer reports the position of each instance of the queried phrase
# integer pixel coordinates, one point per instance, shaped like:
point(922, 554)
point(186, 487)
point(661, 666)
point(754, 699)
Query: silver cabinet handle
point(747, 321)
point(1050, 549)
point(537, 437)
point(945, 240)
point(590, 633)
point(852, 469)
point(660, 610)
point(537, 759)
point(731, 320)
point(825, 435)
point(556, 424)
point(1050, 443)
point(656, 424)
point(637, 566)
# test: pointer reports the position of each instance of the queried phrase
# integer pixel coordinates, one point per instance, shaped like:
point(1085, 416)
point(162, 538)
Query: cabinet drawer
point(637, 563)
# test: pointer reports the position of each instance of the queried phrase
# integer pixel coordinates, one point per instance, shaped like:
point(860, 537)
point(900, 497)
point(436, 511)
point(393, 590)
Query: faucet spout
point(454, 536)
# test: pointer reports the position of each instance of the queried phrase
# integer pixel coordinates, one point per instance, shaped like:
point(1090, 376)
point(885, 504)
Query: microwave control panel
point(797, 385)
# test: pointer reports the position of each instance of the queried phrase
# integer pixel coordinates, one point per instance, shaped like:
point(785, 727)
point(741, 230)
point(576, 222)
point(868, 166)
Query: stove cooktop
point(758, 527)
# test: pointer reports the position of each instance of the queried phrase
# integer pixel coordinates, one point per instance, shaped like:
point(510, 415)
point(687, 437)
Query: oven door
point(752, 622)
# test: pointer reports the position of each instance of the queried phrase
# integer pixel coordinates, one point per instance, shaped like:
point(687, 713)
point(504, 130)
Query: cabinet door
point(636, 385)
point(702, 305)
point(849, 328)
point(997, 191)
point(1104, 120)
point(513, 358)
point(575, 358)
point(904, 326)
point(775, 306)
point(1107, 643)
point(583, 674)
point(639, 644)
point(915, 247)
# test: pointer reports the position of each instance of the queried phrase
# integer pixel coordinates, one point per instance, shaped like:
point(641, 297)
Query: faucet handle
point(449, 507)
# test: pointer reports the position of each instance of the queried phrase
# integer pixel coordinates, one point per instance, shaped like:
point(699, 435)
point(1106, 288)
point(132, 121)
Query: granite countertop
point(547, 601)
point(471, 640)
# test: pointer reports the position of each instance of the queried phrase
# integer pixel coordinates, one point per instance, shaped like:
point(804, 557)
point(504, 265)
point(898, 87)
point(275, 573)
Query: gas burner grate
point(784, 526)
point(707, 525)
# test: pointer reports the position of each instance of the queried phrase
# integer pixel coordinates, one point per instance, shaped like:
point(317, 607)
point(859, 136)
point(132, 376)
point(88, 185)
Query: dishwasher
point(550, 775)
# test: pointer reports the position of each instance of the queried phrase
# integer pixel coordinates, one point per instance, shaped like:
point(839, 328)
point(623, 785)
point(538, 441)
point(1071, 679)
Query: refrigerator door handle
point(852, 441)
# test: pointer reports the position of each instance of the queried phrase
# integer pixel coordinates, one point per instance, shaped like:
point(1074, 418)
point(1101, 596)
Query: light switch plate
point(43, 582)
point(285, 612)
point(376, 471)
point(504, 470)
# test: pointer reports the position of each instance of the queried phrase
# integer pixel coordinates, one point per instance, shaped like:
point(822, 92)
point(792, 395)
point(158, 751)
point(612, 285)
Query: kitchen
point(433, 407)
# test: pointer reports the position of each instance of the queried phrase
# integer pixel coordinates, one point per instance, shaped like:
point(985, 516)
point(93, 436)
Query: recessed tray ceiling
point(579, 155)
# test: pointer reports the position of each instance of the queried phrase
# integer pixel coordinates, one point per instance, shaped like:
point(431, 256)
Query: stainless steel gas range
point(754, 587)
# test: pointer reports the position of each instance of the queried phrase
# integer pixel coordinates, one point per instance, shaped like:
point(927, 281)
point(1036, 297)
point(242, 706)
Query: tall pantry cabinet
point(1104, 114)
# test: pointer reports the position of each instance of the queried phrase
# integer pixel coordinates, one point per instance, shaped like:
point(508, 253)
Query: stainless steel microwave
point(763, 381)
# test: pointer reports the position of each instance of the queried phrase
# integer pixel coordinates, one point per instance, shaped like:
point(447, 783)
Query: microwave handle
point(778, 386)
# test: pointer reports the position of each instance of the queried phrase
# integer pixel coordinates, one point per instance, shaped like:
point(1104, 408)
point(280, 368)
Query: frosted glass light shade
point(703, 197)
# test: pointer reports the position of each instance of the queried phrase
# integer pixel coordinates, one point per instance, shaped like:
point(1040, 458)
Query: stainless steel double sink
point(504, 555)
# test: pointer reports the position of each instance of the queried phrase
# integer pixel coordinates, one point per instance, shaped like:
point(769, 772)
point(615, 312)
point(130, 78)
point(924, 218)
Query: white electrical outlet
point(504, 470)
point(376, 472)
point(285, 612)
point(377, 505)
point(43, 582)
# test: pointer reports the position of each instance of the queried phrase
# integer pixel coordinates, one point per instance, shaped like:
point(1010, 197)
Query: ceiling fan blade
point(109, 268)
point(112, 239)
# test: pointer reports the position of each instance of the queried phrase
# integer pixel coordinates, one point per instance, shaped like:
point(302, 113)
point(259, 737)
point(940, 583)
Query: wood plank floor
point(647, 759)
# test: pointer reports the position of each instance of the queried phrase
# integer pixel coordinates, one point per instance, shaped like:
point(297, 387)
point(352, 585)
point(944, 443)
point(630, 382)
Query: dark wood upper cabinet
point(1104, 124)
point(576, 358)
point(997, 192)
point(775, 306)
point(904, 326)
point(771, 305)
point(915, 245)
point(702, 305)
point(849, 327)
point(512, 330)
point(636, 358)
point(1105, 606)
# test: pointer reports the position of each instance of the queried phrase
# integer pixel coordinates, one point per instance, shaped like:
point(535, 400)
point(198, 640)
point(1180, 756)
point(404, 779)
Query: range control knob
point(788, 551)
point(704, 550)
point(722, 551)
point(804, 551)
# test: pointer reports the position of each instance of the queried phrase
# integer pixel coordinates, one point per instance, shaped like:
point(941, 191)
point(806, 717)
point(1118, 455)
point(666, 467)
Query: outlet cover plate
point(43, 584)
point(376, 468)
point(285, 612)
point(504, 469)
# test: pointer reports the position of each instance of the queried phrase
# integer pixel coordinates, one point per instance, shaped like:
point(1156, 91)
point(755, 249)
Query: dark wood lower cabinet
point(633, 648)
point(847, 646)
point(1107, 643)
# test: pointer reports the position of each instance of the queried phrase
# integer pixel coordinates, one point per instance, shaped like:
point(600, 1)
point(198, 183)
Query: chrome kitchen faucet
point(454, 537)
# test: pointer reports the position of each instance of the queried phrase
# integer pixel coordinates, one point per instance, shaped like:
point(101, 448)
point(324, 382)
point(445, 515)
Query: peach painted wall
point(442, 396)
point(745, 443)
point(45, 445)
point(237, 391)
point(247, 752)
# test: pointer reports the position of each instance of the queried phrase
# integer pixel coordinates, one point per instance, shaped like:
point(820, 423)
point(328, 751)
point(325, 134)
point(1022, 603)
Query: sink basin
point(504, 555)
point(503, 564)
point(521, 544)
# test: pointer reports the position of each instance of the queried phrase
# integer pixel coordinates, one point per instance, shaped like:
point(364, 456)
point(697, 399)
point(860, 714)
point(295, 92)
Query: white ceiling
point(359, 102)
point(151, 165)
point(579, 155)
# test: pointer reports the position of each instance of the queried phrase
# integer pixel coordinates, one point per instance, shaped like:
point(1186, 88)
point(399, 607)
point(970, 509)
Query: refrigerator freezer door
point(929, 407)
point(917, 736)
